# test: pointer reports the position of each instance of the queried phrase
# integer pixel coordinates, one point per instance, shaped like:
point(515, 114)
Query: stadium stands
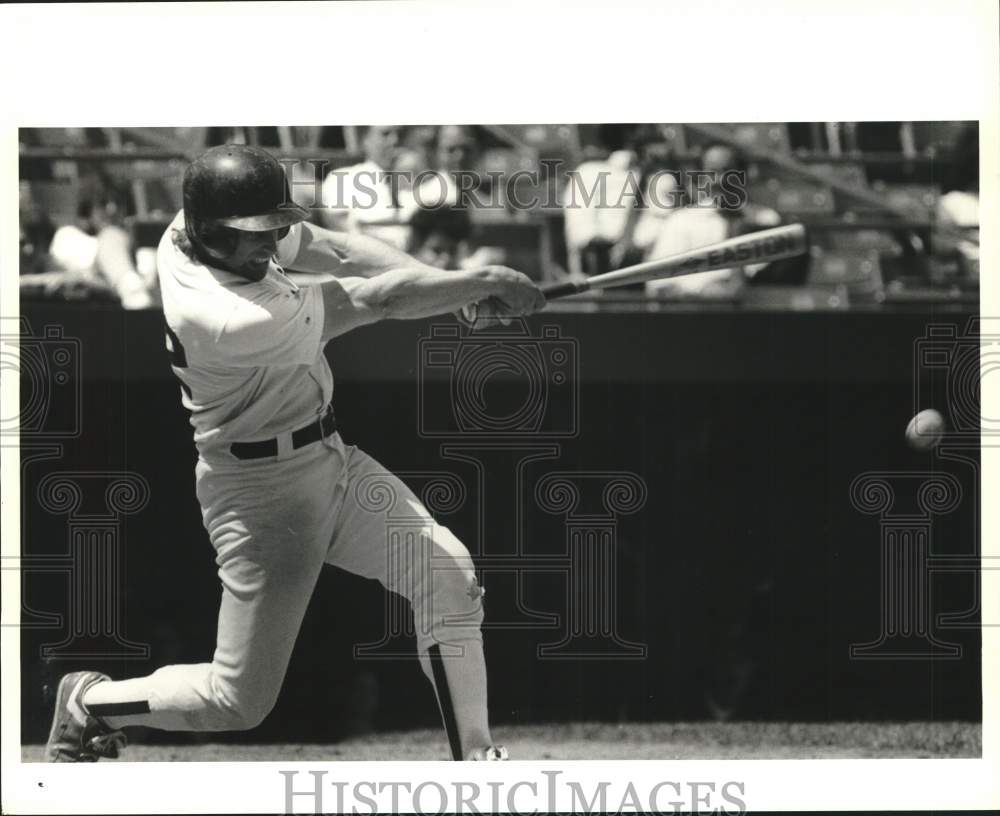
point(873, 215)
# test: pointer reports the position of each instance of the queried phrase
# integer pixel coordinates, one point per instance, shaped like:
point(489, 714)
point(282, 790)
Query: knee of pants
point(242, 707)
point(447, 599)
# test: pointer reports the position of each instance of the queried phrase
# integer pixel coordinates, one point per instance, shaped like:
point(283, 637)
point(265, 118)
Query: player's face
point(253, 251)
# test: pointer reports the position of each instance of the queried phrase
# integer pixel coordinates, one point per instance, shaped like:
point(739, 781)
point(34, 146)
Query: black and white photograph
point(336, 443)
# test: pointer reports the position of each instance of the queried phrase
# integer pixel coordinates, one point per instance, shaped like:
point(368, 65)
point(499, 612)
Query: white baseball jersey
point(248, 353)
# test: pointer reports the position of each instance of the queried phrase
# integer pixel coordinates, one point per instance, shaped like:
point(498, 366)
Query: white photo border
point(432, 62)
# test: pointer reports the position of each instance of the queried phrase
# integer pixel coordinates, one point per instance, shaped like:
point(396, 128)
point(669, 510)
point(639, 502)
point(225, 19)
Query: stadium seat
point(768, 136)
point(858, 274)
point(914, 204)
point(792, 197)
point(59, 199)
point(854, 269)
point(861, 241)
point(762, 136)
point(555, 143)
point(919, 201)
point(852, 173)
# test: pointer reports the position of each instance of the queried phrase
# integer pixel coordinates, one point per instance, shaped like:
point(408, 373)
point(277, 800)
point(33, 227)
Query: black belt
point(313, 432)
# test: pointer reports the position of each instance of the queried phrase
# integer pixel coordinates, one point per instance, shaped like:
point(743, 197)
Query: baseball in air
point(925, 430)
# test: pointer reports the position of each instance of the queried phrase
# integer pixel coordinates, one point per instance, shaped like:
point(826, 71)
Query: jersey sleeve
point(279, 329)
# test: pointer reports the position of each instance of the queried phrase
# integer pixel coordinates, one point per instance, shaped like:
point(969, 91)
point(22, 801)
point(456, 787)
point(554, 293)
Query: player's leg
point(384, 532)
point(259, 617)
point(270, 548)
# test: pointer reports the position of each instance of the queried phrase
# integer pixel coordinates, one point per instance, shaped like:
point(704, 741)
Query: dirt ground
point(604, 741)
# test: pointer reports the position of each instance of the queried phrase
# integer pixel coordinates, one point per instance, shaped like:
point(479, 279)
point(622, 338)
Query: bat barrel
point(753, 248)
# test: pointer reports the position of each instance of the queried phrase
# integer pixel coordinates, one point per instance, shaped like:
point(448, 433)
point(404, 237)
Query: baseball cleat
point(76, 735)
point(491, 753)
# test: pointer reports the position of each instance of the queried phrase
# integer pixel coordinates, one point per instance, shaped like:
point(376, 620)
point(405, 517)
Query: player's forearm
point(346, 254)
point(417, 292)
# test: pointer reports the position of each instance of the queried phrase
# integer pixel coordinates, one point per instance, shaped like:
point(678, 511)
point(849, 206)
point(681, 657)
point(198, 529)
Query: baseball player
point(281, 493)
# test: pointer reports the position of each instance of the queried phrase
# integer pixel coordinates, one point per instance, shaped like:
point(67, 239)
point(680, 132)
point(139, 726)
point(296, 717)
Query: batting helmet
point(241, 187)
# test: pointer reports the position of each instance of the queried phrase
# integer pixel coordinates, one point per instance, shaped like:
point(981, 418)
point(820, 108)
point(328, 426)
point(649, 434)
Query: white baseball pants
point(273, 524)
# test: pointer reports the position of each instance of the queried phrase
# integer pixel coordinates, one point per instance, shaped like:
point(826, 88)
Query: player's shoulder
point(196, 297)
point(170, 257)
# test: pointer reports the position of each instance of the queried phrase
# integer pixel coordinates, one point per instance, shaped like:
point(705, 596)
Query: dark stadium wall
point(745, 576)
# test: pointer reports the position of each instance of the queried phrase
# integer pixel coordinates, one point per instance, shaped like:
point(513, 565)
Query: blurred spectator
point(597, 201)
point(439, 237)
point(36, 230)
point(442, 237)
point(958, 208)
point(660, 194)
point(711, 217)
point(421, 140)
point(362, 198)
point(455, 150)
point(408, 166)
point(93, 257)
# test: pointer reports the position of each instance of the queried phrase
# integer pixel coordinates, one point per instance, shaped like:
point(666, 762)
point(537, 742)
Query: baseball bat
point(753, 248)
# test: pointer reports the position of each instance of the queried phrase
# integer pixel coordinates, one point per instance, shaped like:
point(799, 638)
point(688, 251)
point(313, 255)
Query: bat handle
point(564, 289)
